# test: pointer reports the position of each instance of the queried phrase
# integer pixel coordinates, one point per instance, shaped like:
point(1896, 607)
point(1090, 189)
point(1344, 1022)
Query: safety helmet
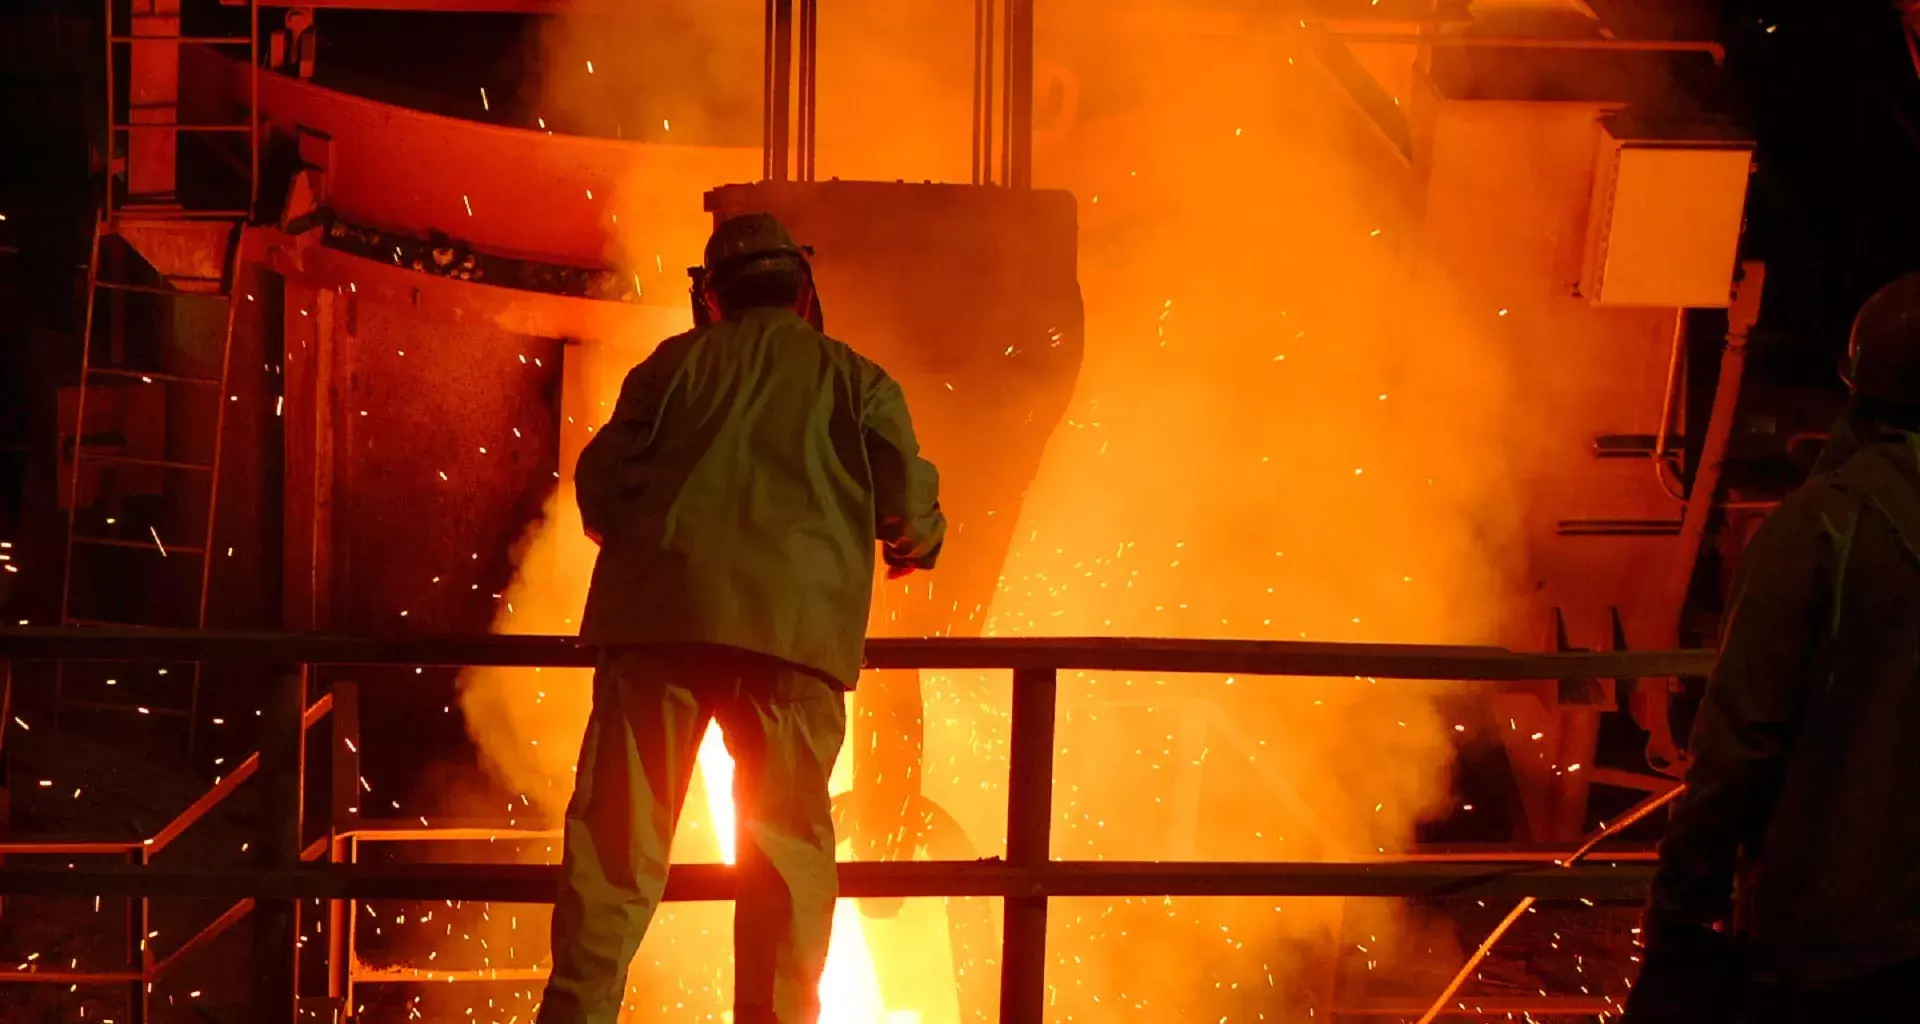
point(751, 242)
point(1883, 352)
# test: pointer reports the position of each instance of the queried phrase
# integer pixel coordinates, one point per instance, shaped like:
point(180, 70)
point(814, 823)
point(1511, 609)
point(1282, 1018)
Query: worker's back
point(1838, 890)
point(737, 492)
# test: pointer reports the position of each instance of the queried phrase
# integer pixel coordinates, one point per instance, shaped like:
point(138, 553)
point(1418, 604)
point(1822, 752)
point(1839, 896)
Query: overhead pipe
point(1651, 706)
point(1675, 358)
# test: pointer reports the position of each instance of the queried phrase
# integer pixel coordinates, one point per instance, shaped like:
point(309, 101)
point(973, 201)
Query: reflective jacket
point(1807, 745)
point(739, 488)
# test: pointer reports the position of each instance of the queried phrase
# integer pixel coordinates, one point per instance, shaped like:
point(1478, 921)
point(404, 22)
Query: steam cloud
point(1283, 430)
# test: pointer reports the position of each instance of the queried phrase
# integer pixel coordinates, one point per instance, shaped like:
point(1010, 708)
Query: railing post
point(6, 769)
point(276, 846)
point(1023, 959)
point(346, 814)
point(139, 954)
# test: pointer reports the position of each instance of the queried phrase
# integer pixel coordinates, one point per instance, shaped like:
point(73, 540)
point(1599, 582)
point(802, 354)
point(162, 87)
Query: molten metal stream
point(850, 990)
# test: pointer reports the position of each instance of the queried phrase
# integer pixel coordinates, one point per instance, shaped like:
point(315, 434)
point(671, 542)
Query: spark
point(666, 124)
point(1503, 311)
point(484, 105)
point(156, 541)
point(589, 67)
point(469, 205)
point(17, 720)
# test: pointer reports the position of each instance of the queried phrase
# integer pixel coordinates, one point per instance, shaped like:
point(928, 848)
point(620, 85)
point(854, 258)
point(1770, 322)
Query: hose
point(1632, 817)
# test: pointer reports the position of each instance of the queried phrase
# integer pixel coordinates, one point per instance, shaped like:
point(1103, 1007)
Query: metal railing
point(1026, 878)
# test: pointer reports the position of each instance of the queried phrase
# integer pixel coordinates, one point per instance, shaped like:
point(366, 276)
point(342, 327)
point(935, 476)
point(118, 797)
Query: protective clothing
point(738, 490)
point(651, 706)
point(1883, 351)
point(1689, 976)
point(1805, 745)
point(737, 493)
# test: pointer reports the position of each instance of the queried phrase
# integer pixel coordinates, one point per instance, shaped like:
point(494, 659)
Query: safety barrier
point(284, 872)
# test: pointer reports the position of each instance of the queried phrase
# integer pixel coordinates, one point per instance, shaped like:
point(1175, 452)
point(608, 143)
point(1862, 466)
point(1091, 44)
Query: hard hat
point(1883, 352)
point(753, 236)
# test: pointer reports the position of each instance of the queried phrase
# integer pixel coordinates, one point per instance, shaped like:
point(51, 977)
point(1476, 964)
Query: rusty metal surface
point(440, 300)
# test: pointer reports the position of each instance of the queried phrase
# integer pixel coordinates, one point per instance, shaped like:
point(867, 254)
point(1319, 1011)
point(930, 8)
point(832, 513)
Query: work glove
point(1692, 975)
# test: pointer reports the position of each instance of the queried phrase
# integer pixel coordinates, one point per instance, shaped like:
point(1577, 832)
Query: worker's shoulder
point(674, 350)
point(865, 370)
point(1829, 504)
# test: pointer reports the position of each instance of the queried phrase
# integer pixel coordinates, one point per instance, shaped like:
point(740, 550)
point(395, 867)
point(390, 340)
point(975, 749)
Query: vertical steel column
point(253, 115)
point(809, 86)
point(106, 155)
point(1023, 960)
point(779, 86)
point(345, 798)
point(983, 14)
point(1019, 117)
point(6, 775)
point(276, 846)
point(766, 97)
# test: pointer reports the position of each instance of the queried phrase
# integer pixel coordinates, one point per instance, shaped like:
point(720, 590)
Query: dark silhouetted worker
point(1806, 749)
point(736, 495)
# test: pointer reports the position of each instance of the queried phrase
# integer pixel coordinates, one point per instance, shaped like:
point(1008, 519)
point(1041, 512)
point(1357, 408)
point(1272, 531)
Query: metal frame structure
point(152, 32)
point(1027, 878)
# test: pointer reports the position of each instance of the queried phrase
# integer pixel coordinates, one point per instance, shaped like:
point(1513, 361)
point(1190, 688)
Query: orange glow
point(1288, 426)
point(849, 991)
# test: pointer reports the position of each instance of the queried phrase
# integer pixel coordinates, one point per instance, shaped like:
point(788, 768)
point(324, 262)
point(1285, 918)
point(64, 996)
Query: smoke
point(1284, 429)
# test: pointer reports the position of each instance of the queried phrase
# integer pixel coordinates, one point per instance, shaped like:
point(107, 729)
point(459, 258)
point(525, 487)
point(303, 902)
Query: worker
point(1806, 747)
point(736, 496)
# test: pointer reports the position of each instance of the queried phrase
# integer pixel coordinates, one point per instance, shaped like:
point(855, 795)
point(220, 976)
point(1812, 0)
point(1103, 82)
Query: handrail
point(1026, 879)
point(537, 883)
point(225, 787)
point(184, 820)
point(1706, 46)
point(1145, 654)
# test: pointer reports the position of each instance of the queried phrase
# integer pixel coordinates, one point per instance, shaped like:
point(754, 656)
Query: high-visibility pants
point(651, 706)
